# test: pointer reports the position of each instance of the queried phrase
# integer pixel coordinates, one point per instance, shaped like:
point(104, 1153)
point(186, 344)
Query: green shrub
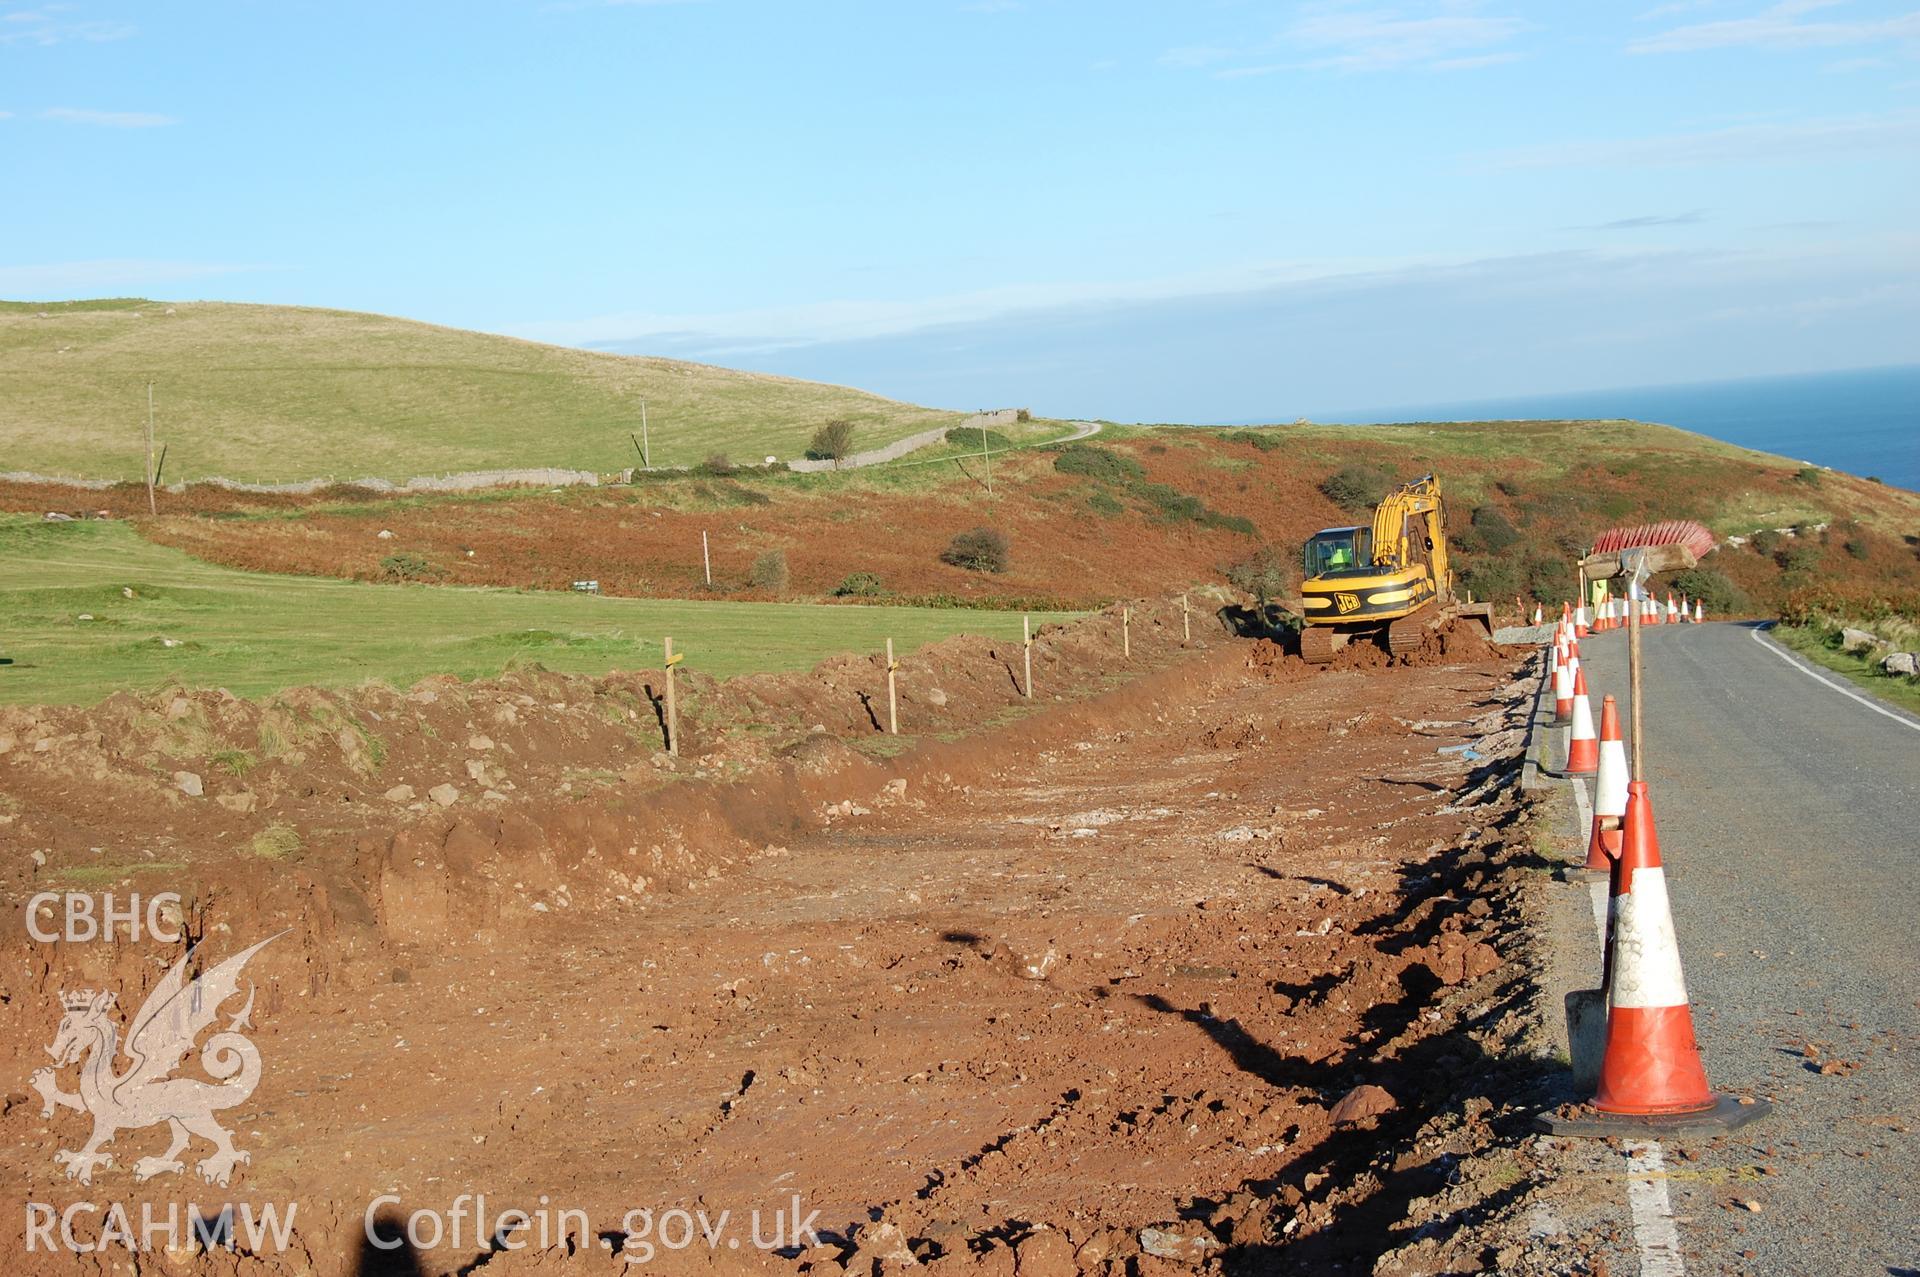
point(407, 567)
point(1357, 488)
point(1104, 503)
point(1266, 574)
point(1497, 577)
point(1170, 503)
point(1798, 559)
point(1102, 464)
point(1807, 475)
point(1766, 541)
point(969, 437)
point(1264, 440)
point(832, 442)
point(1228, 522)
point(977, 550)
point(769, 572)
point(861, 585)
point(1494, 530)
point(1719, 595)
point(718, 464)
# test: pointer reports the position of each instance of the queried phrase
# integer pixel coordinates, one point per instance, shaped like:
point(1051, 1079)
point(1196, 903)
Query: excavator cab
point(1333, 550)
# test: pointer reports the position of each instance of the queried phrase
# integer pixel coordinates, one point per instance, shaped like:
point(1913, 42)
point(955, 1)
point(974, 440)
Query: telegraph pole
point(646, 458)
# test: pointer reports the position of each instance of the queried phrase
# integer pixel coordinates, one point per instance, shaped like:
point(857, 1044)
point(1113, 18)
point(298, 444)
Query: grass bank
point(154, 615)
point(1821, 644)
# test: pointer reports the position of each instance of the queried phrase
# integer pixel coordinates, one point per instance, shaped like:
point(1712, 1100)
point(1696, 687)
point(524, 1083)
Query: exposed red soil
point(1199, 965)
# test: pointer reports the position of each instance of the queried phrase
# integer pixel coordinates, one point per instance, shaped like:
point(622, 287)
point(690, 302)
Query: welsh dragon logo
point(158, 1039)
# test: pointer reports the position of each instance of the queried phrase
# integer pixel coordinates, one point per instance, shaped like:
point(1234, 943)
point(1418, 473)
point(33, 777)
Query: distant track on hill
point(1081, 430)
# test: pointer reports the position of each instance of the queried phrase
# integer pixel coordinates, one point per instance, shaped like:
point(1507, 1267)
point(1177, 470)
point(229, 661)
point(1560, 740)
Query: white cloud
point(1781, 26)
point(1440, 35)
point(778, 327)
point(104, 276)
point(108, 119)
point(1648, 221)
point(1382, 39)
point(51, 24)
point(1750, 143)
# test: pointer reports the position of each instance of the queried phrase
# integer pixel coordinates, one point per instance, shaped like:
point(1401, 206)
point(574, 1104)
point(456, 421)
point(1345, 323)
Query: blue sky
point(1206, 211)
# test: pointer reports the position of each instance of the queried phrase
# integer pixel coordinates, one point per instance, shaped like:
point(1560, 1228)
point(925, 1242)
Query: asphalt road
point(1789, 819)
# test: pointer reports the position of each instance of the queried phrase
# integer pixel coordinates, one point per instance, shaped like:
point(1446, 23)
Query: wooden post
point(1519, 611)
point(673, 708)
point(646, 454)
point(152, 508)
point(986, 458)
point(893, 704)
point(706, 559)
point(1026, 644)
point(1186, 622)
point(1126, 632)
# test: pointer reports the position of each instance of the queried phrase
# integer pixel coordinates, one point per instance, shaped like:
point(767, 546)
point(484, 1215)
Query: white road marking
point(1653, 1226)
point(1849, 693)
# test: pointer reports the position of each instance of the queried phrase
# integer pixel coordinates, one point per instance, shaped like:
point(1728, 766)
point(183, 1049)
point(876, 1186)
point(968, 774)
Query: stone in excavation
point(189, 783)
point(445, 795)
point(1044, 1254)
point(1361, 1104)
point(400, 794)
point(1902, 663)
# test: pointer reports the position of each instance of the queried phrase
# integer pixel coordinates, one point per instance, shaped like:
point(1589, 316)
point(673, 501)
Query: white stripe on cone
point(1646, 953)
point(1610, 786)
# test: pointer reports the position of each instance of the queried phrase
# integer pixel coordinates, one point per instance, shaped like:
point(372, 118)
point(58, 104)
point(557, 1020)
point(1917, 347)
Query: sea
point(1866, 422)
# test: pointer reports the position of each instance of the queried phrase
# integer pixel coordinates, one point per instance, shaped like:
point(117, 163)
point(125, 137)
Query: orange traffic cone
point(1583, 750)
point(1699, 613)
point(1653, 1063)
point(1562, 688)
point(1536, 614)
point(1609, 791)
point(1580, 626)
point(1651, 1077)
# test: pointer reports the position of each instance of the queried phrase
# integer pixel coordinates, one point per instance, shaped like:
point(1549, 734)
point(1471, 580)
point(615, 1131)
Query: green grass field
point(256, 633)
point(275, 393)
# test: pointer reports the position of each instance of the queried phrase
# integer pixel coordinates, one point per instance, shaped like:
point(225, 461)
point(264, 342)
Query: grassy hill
point(283, 392)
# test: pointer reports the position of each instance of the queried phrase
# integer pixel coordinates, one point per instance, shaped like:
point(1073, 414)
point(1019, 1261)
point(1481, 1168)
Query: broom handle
point(1633, 673)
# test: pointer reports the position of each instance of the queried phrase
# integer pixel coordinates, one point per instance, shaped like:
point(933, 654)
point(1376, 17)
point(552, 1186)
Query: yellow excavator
point(1389, 582)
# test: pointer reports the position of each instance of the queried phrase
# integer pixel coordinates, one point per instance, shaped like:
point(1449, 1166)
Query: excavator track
point(1409, 633)
point(1318, 643)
